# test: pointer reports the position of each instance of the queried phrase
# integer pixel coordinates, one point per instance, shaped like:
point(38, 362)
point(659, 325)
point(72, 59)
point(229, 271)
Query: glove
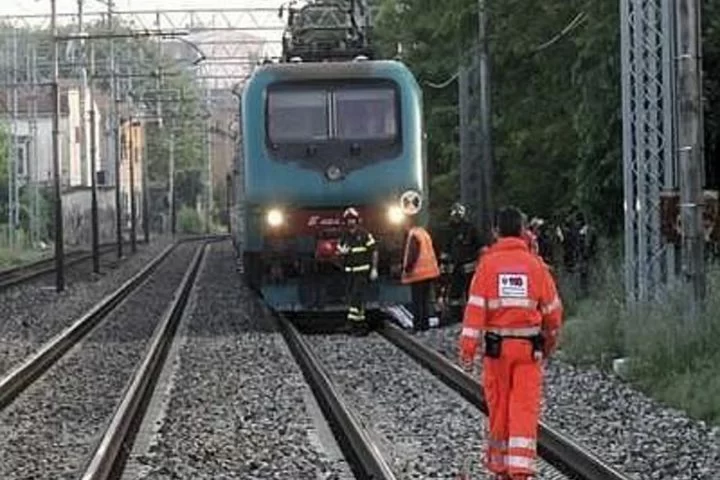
point(343, 249)
point(373, 274)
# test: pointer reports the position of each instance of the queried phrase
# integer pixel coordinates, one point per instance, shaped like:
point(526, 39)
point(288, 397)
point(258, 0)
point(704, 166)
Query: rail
point(363, 455)
point(23, 375)
point(110, 453)
point(558, 450)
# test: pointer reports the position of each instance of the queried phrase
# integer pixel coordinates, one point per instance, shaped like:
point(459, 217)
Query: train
point(319, 137)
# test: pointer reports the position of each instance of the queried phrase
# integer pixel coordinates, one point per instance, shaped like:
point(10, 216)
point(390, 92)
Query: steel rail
point(555, 448)
point(23, 375)
point(24, 273)
point(112, 449)
point(363, 455)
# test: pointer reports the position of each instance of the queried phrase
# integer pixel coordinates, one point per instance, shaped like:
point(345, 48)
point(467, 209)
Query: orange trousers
point(513, 385)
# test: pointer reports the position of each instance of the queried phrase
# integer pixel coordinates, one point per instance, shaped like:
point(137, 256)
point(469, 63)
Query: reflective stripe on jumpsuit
point(512, 295)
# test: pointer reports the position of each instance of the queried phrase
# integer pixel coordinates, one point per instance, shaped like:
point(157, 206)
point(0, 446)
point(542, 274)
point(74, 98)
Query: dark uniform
point(357, 247)
point(463, 248)
point(459, 256)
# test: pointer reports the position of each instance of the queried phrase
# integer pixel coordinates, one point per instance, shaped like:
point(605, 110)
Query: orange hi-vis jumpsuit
point(512, 295)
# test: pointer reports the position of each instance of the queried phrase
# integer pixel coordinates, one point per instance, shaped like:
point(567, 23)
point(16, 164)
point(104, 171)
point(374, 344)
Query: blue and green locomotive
point(317, 138)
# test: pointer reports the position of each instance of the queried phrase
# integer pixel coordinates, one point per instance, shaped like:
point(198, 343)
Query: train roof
point(332, 70)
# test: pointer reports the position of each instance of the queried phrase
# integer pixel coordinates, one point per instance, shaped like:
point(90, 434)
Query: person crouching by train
point(515, 313)
point(420, 270)
point(360, 259)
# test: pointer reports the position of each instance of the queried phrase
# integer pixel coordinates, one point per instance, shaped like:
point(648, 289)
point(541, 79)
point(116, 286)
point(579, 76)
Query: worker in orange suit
point(420, 269)
point(515, 312)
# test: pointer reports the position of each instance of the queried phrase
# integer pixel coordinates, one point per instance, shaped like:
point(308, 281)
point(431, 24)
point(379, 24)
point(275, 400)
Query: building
point(28, 115)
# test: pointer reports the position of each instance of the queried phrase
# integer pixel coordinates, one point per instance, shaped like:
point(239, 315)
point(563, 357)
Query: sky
point(42, 7)
point(251, 20)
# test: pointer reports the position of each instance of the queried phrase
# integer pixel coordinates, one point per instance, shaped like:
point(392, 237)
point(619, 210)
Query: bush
point(673, 355)
point(189, 221)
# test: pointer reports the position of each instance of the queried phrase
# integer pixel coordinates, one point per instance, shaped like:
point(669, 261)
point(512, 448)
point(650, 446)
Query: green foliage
point(189, 221)
point(556, 123)
point(673, 357)
point(182, 109)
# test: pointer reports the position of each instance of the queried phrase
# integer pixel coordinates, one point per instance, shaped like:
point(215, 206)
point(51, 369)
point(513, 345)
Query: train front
point(319, 138)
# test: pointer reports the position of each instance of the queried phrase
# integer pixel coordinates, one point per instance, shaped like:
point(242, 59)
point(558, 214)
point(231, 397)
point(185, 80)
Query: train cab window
point(366, 113)
point(296, 115)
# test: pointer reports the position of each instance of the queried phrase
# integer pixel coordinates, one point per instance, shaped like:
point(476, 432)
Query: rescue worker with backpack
point(515, 314)
point(358, 249)
point(420, 270)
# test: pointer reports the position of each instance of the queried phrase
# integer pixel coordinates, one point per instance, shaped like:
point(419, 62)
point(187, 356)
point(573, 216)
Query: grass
point(20, 253)
point(673, 355)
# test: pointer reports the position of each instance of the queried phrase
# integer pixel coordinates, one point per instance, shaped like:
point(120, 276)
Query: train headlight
point(275, 218)
point(395, 215)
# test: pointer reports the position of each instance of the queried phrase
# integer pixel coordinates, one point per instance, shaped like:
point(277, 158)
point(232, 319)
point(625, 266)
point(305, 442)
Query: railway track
point(25, 273)
point(566, 459)
point(82, 354)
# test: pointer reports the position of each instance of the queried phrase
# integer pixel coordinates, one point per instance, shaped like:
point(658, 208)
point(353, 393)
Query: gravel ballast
point(234, 403)
point(424, 428)
point(50, 429)
point(625, 428)
point(33, 313)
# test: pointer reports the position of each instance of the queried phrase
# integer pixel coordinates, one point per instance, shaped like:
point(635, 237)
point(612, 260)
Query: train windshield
point(297, 115)
point(365, 113)
point(359, 113)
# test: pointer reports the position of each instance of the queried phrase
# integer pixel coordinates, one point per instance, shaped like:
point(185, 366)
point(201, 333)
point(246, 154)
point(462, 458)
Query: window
point(366, 113)
point(21, 158)
point(297, 115)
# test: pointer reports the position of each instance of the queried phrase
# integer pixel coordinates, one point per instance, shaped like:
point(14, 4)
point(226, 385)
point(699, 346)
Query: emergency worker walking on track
point(420, 269)
point(514, 310)
point(360, 258)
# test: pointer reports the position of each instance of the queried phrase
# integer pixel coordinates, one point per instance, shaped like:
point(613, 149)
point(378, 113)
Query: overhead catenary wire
point(577, 21)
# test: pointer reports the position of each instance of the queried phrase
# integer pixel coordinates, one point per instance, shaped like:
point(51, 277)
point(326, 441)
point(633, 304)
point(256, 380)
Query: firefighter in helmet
point(461, 253)
point(358, 249)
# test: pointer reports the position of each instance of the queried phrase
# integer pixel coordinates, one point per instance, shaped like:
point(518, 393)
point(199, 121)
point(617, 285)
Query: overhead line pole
point(115, 134)
point(485, 117)
point(84, 164)
point(93, 170)
point(690, 149)
point(59, 235)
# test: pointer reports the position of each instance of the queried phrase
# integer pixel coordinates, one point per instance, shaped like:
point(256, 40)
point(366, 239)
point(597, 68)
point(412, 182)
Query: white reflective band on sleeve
point(520, 462)
point(515, 332)
point(497, 303)
point(470, 332)
point(476, 301)
point(469, 267)
point(552, 306)
point(522, 442)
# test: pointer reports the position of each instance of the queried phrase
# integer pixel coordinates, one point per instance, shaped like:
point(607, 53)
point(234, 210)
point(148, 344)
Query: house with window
point(27, 113)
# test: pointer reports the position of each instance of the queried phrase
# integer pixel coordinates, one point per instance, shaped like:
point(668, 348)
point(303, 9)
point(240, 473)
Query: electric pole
point(93, 170)
point(690, 144)
point(83, 140)
point(59, 235)
point(115, 134)
point(485, 118)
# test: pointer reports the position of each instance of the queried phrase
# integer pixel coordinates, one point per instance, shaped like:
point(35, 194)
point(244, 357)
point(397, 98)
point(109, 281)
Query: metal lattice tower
point(649, 167)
